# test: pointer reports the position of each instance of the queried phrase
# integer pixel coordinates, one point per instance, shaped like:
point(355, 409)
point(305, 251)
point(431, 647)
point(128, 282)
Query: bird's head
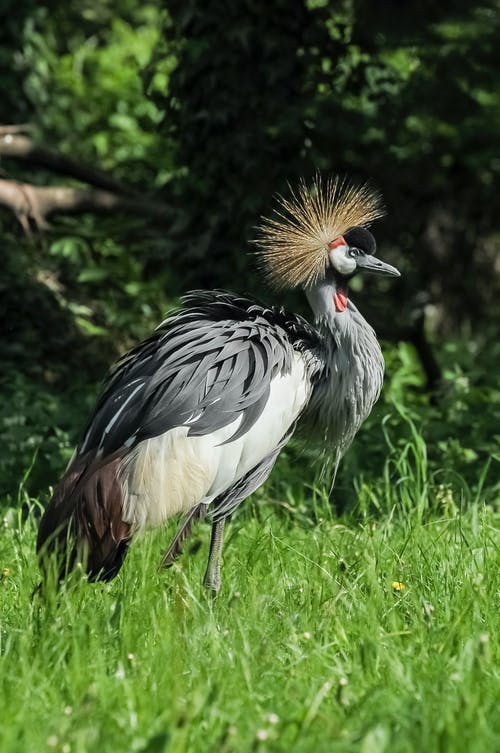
point(354, 251)
point(321, 232)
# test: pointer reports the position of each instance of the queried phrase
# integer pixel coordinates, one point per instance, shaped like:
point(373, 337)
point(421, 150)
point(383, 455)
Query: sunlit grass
point(374, 632)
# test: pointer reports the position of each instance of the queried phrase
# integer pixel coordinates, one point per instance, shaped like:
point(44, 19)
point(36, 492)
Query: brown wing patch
point(83, 520)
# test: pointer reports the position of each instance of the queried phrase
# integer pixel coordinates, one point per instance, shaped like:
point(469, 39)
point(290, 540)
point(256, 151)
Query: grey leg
point(183, 532)
point(212, 575)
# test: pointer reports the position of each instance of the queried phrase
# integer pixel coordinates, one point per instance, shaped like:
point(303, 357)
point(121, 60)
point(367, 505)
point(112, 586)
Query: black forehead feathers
point(361, 238)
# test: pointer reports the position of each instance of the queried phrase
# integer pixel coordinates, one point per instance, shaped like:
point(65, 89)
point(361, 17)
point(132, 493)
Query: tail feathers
point(183, 532)
point(83, 520)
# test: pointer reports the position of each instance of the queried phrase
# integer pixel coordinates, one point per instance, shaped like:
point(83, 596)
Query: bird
point(192, 419)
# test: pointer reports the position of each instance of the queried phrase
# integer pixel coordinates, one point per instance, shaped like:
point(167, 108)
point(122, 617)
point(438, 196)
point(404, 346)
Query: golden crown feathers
point(293, 244)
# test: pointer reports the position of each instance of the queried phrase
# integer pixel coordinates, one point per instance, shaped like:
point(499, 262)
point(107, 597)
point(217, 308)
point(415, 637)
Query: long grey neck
point(353, 366)
point(321, 298)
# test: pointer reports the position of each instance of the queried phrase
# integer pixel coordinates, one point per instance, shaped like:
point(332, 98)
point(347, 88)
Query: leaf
point(93, 274)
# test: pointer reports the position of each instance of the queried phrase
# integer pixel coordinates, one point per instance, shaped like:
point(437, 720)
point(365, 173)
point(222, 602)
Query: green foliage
point(14, 16)
point(85, 83)
point(459, 430)
point(36, 432)
point(235, 108)
point(73, 300)
point(219, 117)
point(59, 337)
point(403, 94)
point(81, 70)
point(327, 632)
point(364, 620)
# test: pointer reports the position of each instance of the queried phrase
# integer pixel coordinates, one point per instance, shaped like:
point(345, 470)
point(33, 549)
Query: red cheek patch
point(340, 300)
point(336, 243)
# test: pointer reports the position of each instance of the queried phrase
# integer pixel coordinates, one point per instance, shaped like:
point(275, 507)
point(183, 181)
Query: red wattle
point(340, 300)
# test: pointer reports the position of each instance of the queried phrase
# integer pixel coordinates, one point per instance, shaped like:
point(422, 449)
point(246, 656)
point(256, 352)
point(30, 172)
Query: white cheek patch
point(341, 262)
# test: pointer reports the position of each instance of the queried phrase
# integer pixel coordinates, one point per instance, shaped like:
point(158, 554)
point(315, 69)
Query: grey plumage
point(351, 378)
point(205, 366)
point(193, 418)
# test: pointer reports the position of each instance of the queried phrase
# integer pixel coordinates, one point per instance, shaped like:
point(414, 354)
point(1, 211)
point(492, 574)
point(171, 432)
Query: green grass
point(311, 645)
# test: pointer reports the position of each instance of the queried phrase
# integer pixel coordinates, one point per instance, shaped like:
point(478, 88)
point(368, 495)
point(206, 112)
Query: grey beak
point(371, 264)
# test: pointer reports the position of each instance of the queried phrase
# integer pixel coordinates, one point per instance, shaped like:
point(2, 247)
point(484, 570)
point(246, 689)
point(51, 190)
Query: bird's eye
point(353, 252)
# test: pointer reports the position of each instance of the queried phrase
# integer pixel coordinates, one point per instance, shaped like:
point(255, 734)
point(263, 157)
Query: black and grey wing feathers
point(203, 368)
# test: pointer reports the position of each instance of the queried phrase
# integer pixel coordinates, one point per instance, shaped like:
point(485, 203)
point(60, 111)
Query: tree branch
point(32, 205)
point(15, 128)
point(14, 145)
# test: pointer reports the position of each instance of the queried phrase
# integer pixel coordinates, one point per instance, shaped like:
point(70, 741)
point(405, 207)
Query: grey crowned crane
point(193, 419)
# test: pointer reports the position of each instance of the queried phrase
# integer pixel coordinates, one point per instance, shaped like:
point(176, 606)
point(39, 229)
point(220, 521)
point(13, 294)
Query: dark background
point(177, 123)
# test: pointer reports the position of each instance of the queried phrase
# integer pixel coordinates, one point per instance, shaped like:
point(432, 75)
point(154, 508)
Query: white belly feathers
point(174, 472)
